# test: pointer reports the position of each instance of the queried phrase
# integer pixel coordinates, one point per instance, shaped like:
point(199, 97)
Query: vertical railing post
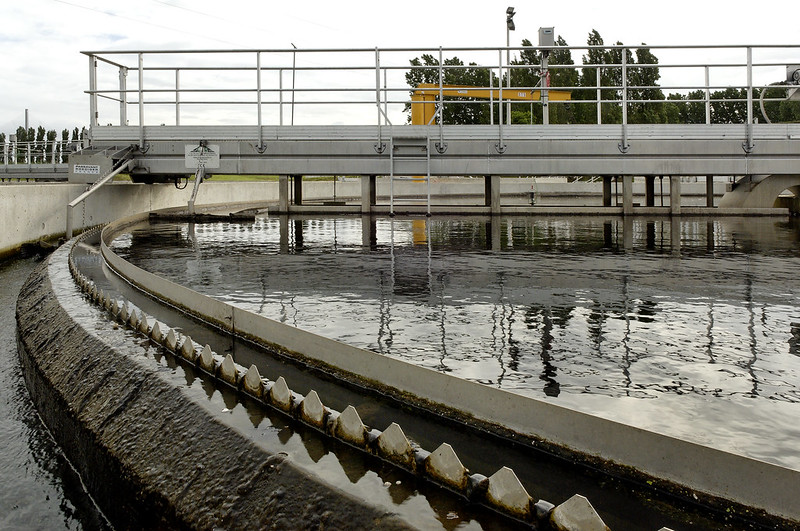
point(491, 99)
point(544, 93)
point(258, 101)
point(280, 96)
point(748, 147)
point(294, 77)
point(141, 101)
point(441, 99)
point(123, 95)
point(708, 96)
point(177, 96)
point(386, 96)
point(599, 98)
point(378, 93)
point(508, 79)
point(92, 91)
point(623, 147)
point(624, 86)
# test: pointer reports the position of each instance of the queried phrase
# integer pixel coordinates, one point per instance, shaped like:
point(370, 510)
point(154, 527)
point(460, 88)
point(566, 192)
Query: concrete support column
point(710, 191)
point(298, 189)
point(675, 195)
point(283, 193)
point(607, 190)
point(492, 194)
point(368, 193)
point(650, 190)
point(627, 194)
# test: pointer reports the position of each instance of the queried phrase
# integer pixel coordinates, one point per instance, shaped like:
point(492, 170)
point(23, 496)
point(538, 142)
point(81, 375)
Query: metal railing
point(369, 86)
point(45, 152)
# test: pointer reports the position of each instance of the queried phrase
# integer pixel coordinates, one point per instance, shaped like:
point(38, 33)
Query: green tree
point(457, 109)
point(647, 106)
point(64, 147)
point(610, 82)
point(729, 106)
point(39, 147)
point(50, 145)
point(22, 138)
point(527, 74)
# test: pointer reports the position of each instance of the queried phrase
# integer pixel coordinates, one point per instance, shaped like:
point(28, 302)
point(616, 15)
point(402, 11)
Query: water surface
point(39, 490)
point(688, 328)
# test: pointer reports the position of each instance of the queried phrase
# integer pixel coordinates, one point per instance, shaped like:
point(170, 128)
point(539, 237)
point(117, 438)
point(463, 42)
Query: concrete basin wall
point(150, 456)
point(707, 471)
point(30, 212)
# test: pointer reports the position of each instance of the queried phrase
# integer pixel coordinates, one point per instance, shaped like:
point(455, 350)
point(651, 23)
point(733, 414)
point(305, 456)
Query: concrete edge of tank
point(149, 456)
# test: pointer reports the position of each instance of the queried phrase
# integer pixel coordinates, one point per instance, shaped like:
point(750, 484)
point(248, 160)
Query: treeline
point(647, 102)
point(41, 143)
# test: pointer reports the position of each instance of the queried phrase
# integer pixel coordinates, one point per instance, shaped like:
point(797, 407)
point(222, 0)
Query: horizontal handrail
point(336, 86)
point(48, 152)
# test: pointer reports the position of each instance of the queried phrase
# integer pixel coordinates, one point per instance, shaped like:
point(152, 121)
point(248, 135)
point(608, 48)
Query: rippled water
point(38, 489)
point(691, 328)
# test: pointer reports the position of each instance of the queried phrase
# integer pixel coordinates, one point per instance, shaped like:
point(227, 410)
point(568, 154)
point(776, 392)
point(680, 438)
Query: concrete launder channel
point(718, 478)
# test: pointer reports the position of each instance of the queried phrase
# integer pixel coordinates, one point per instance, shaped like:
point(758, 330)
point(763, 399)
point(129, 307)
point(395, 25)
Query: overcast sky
point(41, 40)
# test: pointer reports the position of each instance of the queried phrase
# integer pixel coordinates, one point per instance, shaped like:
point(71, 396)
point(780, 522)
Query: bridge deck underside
point(473, 150)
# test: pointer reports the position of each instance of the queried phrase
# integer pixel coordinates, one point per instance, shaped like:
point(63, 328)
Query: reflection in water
point(549, 307)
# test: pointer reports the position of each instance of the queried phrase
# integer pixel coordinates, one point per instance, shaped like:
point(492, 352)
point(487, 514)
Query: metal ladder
point(410, 158)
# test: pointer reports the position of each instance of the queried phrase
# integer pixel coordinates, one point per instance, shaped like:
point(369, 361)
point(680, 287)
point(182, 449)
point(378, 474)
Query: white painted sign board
point(86, 169)
point(206, 156)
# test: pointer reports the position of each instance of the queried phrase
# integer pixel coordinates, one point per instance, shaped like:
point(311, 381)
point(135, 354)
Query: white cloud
point(44, 71)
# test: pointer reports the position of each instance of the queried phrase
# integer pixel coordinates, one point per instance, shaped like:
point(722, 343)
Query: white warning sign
point(206, 156)
point(86, 169)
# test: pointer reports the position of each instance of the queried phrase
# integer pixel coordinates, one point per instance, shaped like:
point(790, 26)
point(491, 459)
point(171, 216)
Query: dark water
point(689, 328)
point(38, 489)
